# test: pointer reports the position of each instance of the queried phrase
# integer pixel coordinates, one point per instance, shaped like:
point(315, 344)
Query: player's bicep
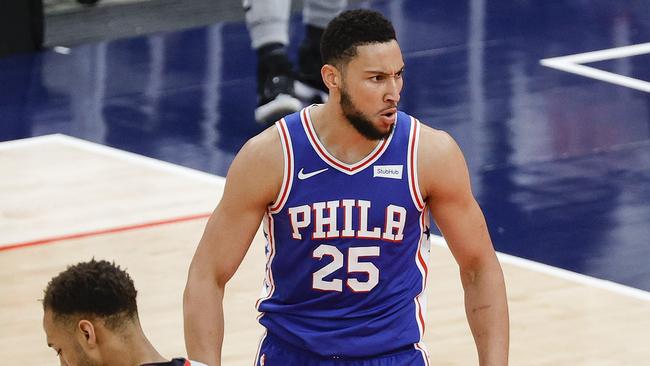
point(455, 209)
point(251, 184)
point(464, 228)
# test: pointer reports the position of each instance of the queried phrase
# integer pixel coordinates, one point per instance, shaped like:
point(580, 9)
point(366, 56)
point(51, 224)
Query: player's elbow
point(473, 269)
point(211, 268)
point(201, 293)
point(201, 280)
point(191, 288)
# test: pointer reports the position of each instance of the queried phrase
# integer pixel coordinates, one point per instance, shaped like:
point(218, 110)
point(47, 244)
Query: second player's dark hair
point(95, 288)
point(354, 28)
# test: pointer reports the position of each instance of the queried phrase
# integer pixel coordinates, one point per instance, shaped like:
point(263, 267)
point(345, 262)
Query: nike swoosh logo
point(302, 175)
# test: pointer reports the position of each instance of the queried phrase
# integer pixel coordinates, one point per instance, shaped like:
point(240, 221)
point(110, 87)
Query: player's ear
point(87, 332)
point(331, 76)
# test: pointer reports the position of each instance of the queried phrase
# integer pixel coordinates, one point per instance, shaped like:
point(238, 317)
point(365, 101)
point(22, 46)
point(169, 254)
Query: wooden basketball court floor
point(65, 200)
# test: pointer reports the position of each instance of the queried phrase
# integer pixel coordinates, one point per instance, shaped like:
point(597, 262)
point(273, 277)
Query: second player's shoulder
point(176, 362)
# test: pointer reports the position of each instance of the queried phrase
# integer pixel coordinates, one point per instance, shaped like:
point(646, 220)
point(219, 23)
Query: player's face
point(61, 338)
point(371, 87)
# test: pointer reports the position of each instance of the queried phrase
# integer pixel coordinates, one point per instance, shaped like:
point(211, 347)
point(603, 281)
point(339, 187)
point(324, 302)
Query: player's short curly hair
point(94, 288)
point(353, 28)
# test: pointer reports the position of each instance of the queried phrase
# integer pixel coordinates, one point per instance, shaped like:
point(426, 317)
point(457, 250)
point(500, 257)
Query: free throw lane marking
point(574, 65)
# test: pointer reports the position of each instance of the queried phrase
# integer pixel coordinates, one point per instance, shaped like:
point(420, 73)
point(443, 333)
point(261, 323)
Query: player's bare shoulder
point(436, 146)
point(259, 164)
point(264, 151)
point(440, 161)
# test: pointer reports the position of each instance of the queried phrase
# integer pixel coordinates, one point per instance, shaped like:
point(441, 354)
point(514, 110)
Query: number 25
point(354, 266)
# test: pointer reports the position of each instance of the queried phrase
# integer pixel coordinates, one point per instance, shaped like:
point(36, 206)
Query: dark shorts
point(276, 352)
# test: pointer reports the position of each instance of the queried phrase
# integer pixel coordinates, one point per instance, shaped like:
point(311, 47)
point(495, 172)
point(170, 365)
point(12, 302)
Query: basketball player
point(91, 319)
point(345, 190)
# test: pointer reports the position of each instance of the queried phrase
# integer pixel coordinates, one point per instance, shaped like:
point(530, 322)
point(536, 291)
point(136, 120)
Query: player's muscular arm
point(445, 184)
point(253, 182)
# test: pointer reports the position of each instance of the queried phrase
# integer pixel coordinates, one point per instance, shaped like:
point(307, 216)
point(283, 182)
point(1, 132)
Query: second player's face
point(64, 342)
point(370, 92)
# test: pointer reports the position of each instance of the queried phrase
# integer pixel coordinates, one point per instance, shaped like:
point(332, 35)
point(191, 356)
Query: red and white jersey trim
point(256, 361)
point(287, 176)
point(268, 288)
point(329, 159)
point(412, 164)
point(194, 363)
point(421, 261)
point(423, 350)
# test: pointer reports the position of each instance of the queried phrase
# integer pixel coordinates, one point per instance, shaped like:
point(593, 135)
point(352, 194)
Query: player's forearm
point(487, 312)
point(203, 321)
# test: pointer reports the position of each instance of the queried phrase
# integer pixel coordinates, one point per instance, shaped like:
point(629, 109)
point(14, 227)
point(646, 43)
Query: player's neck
point(338, 136)
point(135, 350)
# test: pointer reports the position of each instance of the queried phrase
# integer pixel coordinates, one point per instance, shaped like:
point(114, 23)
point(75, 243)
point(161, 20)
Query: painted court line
point(113, 152)
point(562, 273)
point(138, 159)
point(574, 65)
point(113, 230)
point(30, 141)
point(119, 154)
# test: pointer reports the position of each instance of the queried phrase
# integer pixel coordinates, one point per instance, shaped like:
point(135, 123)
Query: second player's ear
point(331, 76)
point(88, 332)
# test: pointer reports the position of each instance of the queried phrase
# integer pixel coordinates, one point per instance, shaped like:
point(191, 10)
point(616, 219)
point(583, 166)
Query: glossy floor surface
point(560, 162)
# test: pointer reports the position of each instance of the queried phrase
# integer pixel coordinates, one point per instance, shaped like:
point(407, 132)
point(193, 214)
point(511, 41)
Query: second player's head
point(85, 305)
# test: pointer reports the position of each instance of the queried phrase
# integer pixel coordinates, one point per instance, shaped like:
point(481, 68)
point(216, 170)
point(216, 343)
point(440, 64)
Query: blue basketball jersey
point(347, 246)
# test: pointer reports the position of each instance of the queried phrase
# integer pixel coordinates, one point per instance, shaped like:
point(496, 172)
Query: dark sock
point(269, 48)
point(272, 59)
point(309, 57)
point(313, 36)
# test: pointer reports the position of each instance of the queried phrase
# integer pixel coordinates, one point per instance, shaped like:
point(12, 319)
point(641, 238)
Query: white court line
point(138, 159)
point(562, 273)
point(573, 64)
point(435, 239)
point(39, 142)
point(29, 141)
point(608, 54)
